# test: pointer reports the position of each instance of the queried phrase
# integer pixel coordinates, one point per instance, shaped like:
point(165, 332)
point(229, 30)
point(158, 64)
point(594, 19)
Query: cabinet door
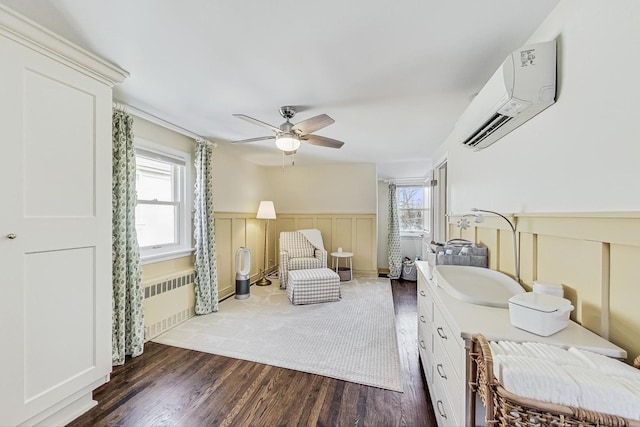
point(55, 232)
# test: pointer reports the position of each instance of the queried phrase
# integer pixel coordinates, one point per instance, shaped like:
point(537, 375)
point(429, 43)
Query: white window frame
point(184, 220)
point(426, 208)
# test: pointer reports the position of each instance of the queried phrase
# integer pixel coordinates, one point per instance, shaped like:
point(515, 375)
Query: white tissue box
point(541, 314)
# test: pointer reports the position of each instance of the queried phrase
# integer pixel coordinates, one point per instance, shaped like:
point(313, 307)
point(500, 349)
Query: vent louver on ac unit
point(523, 86)
point(492, 125)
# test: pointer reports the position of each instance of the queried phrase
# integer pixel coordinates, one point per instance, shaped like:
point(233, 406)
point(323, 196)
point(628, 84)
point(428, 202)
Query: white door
point(55, 233)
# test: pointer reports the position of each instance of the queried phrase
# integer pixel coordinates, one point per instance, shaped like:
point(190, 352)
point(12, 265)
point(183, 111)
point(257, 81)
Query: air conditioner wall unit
point(523, 86)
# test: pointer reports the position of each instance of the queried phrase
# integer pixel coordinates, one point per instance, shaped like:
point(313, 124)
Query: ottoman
point(313, 285)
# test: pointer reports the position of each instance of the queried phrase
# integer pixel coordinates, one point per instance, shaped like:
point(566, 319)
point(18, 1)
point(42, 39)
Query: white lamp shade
point(287, 142)
point(266, 210)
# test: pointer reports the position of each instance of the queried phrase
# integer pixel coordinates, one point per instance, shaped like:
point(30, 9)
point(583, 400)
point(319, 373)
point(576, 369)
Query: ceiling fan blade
point(322, 141)
point(257, 122)
point(313, 124)
point(260, 138)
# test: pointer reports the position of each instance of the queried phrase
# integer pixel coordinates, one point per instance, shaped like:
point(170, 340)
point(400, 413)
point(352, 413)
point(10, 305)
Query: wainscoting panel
point(352, 232)
point(593, 255)
point(343, 235)
point(224, 255)
point(624, 297)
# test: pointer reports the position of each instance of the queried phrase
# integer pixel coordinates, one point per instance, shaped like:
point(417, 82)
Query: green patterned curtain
point(128, 296)
point(206, 275)
point(395, 251)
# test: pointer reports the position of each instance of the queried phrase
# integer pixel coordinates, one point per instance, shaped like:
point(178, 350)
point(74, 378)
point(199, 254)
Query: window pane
point(411, 219)
point(154, 180)
point(413, 208)
point(156, 225)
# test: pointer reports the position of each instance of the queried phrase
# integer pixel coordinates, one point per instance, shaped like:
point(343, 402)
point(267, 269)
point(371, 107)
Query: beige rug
point(353, 339)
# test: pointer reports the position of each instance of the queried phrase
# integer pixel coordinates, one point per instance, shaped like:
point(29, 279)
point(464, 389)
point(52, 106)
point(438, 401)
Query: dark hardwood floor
point(169, 386)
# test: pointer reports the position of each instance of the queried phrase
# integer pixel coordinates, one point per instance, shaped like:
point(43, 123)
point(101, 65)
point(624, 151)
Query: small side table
point(336, 262)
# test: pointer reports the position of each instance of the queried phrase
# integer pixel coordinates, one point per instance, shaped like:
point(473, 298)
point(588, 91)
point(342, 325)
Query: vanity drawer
point(445, 414)
point(452, 384)
point(425, 302)
point(427, 363)
point(425, 346)
point(451, 342)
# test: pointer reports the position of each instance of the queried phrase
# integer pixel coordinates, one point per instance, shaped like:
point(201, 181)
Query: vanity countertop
point(494, 324)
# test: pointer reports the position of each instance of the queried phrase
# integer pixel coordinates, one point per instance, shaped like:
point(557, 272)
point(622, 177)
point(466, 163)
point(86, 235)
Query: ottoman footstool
point(313, 285)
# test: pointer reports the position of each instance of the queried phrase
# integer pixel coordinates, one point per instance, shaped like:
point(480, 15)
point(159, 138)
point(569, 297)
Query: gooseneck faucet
point(516, 255)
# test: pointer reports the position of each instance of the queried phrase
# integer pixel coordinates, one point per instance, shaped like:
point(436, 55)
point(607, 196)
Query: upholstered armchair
point(297, 253)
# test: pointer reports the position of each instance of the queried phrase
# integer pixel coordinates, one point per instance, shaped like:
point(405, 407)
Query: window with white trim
point(413, 209)
point(163, 214)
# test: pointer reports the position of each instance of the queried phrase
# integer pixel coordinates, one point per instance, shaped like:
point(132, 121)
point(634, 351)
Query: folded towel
point(606, 365)
point(555, 354)
point(602, 393)
point(537, 379)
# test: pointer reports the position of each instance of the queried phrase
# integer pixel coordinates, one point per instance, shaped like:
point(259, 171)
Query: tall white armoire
point(55, 224)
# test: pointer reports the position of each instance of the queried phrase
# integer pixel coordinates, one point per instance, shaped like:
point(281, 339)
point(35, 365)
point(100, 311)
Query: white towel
point(602, 393)
point(555, 354)
point(606, 365)
point(537, 379)
point(314, 237)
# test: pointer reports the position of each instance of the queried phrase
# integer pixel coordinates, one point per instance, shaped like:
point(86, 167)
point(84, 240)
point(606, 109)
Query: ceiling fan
point(289, 135)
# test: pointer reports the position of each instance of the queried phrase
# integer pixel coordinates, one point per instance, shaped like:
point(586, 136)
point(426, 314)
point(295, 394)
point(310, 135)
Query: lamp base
point(263, 282)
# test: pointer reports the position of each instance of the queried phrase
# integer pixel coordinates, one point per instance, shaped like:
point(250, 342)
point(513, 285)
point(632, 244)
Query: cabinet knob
point(440, 407)
point(422, 319)
point(11, 236)
point(423, 294)
point(422, 344)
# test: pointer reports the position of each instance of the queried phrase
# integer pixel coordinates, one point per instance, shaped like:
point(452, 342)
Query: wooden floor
point(169, 386)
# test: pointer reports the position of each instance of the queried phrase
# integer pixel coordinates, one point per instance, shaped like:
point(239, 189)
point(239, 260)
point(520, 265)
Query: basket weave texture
point(507, 409)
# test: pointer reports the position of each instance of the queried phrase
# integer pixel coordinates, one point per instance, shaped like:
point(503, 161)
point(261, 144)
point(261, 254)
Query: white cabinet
point(443, 357)
point(55, 224)
point(445, 328)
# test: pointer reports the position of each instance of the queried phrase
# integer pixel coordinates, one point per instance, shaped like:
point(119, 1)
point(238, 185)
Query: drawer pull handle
point(422, 319)
point(440, 370)
point(422, 344)
point(423, 294)
point(440, 407)
point(441, 333)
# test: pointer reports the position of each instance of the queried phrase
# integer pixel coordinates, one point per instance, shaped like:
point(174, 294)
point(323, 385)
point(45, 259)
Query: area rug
point(353, 339)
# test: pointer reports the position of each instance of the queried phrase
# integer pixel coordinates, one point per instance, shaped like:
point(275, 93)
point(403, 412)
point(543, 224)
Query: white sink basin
point(477, 285)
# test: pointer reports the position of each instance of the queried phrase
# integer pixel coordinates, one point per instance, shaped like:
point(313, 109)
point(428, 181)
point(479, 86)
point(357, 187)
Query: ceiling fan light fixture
point(287, 142)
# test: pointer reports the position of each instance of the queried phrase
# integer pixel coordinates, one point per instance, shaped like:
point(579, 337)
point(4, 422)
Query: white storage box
point(541, 314)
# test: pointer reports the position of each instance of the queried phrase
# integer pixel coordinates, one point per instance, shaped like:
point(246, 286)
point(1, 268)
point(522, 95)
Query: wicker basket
point(507, 409)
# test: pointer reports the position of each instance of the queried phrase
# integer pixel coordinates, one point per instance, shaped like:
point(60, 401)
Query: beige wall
point(383, 226)
point(346, 188)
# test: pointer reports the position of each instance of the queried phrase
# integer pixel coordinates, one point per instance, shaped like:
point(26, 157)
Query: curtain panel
point(395, 250)
point(206, 276)
point(128, 294)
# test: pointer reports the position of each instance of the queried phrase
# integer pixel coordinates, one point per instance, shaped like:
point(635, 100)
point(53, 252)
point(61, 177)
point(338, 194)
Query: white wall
point(581, 154)
point(334, 188)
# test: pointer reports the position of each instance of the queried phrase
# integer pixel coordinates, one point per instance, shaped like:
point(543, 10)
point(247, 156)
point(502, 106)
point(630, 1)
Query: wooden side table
point(336, 262)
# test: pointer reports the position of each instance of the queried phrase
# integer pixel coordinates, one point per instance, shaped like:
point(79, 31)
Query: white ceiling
point(394, 75)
